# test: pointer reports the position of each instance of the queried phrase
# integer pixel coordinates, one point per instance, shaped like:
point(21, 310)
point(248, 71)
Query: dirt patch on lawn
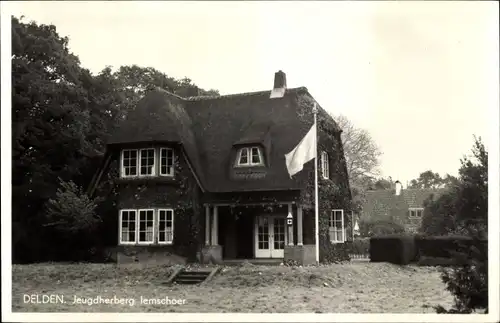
point(79, 274)
point(342, 288)
point(334, 276)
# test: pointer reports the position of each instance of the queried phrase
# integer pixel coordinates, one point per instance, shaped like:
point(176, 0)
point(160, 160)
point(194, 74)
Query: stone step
point(191, 277)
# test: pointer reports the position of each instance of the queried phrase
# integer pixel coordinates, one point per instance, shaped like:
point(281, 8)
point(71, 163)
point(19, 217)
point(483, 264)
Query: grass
point(343, 288)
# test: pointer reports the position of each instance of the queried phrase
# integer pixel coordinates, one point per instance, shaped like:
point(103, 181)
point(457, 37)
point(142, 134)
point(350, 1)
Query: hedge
point(446, 246)
point(396, 249)
point(359, 246)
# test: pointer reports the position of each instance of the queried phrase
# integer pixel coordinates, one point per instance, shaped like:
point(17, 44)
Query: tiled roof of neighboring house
point(380, 203)
point(209, 128)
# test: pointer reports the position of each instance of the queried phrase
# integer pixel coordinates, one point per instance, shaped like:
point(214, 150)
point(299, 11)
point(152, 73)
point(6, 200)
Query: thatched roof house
point(229, 152)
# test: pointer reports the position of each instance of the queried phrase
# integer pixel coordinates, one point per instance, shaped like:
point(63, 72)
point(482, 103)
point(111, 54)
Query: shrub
point(438, 261)
point(469, 283)
point(373, 228)
point(360, 246)
point(445, 246)
point(396, 249)
point(72, 211)
point(334, 253)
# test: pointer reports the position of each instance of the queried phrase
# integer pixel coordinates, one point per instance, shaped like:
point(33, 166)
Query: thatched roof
point(210, 128)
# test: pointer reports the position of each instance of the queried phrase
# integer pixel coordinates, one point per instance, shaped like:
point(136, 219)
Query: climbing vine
point(181, 193)
point(333, 192)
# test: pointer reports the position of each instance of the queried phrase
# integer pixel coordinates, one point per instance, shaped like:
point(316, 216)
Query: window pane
point(255, 156)
point(244, 156)
point(165, 226)
point(146, 223)
point(147, 161)
point(127, 226)
point(129, 162)
point(166, 161)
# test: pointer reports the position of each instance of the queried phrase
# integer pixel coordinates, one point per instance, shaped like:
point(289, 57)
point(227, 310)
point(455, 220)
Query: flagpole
point(316, 197)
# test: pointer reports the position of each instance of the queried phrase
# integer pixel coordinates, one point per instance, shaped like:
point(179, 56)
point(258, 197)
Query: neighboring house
point(207, 176)
point(402, 206)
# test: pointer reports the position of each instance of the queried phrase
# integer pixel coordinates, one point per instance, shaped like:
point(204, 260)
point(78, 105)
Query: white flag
point(304, 152)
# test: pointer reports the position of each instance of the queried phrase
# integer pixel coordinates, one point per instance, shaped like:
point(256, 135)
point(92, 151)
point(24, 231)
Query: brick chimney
point(279, 87)
point(280, 80)
point(399, 188)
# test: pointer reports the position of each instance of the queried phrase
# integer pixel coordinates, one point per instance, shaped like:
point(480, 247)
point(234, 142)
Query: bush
point(439, 261)
point(373, 228)
point(396, 249)
point(445, 246)
point(359, 246)
point(469, 284)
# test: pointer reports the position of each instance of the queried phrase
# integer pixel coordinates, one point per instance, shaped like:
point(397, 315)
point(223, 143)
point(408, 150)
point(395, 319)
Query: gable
point(160, 117)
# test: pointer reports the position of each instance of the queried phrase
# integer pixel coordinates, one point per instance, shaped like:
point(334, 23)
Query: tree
point(361, 152)
point(62, 117)
point(429, 179)
point(50, 124)
point(135, 81)
point(362, 158)
point(464, 210)
point(72, 211)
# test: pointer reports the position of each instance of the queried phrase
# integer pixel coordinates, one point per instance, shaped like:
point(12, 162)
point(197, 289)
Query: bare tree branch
point(361, 152)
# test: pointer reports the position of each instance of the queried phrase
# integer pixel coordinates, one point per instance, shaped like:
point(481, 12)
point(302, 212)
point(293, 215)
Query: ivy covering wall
point(334, 193)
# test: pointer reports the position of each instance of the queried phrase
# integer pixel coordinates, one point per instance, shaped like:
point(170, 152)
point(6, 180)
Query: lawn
point(357, 287)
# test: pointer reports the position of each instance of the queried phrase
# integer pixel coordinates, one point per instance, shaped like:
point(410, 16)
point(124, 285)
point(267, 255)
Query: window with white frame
point(166, 162)
point(416, 213)
point(129, 163)
point(128, 224)
point(325, 165)
point(146, 226)
point(336, 226)
point(250, 156)
point(147, 162)
point(165, 226)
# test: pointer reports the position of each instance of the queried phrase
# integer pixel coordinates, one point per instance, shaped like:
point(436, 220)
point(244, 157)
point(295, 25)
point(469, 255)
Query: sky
point(420, 77)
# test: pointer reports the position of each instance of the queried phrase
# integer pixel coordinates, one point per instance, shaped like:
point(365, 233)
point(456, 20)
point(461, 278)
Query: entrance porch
point(258, 233)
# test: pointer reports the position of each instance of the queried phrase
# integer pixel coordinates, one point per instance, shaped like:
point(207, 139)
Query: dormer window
point(147, 162)
point(416, 213)
point(250, 156)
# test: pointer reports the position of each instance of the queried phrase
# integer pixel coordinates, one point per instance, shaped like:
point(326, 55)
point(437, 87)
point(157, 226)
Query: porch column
point(299, 225)
point(207, 225)
point(215, 227)
point(290, 228)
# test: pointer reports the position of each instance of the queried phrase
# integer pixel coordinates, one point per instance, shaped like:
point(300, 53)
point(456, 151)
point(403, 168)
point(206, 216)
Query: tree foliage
point(430, 179)
point(379, 227)
point(361, 153)
point(464, 210)
point(62, 116)
point(72, 211)
point(362, 157)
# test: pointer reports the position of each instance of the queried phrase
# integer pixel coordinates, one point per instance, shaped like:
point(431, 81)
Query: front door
point(270, 237)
